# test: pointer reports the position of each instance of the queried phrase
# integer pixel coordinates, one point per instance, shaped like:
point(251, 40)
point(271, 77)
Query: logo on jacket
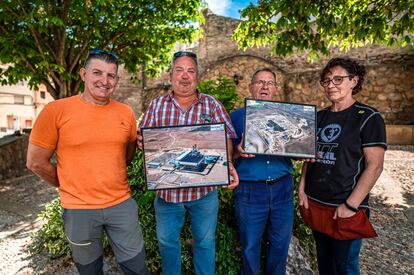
point(330, 132)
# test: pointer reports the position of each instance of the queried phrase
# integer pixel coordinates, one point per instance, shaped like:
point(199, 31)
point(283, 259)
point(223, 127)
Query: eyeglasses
point(336, 80)
point(269, 83)
point(99, 51)
point(180, 54)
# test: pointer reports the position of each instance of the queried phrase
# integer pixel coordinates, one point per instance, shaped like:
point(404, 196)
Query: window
point(28, 123)
point(42, 94)
point(18, 99)
point(10, 119)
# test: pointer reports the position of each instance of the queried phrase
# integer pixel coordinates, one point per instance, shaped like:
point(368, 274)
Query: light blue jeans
point(170, 219)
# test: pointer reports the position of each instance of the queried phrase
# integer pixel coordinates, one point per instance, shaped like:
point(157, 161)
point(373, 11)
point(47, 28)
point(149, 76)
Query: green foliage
point(301, 230)
point(46, 41)
point(228, 249)
point(316, 25)
point(222, 89)
point(51, 236)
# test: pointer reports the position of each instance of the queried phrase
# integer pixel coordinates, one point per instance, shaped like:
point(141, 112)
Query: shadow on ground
point(392, 204)
point(21, 200)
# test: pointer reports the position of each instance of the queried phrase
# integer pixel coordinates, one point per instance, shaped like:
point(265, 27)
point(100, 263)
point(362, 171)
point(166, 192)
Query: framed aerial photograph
point(280, 128)
point(185, 156)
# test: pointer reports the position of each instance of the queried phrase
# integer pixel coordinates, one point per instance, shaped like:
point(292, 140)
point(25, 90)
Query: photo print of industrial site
point(280, 128)
point(185, 156)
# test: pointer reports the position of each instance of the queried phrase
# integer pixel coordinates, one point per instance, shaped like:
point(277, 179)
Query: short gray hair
point(189, 54)
point(263, 70)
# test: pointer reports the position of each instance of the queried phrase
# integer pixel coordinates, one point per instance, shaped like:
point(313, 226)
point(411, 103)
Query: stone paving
point(392, 204)
point(21, 200)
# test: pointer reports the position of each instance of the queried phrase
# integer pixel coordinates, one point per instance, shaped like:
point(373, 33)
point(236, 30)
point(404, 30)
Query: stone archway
point(243, 66)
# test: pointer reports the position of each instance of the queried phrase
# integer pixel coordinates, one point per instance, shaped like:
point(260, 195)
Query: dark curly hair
point(351, 66)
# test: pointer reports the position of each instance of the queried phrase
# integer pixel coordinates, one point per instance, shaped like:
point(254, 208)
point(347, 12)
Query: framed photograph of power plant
point(185, 156)
point(280, 128)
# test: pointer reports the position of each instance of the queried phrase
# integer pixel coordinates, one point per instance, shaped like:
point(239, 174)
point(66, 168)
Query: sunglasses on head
point(180, 54)
point(99, 51)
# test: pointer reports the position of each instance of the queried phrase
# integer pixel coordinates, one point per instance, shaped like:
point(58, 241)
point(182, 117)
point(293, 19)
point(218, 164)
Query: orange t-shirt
point(90, 143)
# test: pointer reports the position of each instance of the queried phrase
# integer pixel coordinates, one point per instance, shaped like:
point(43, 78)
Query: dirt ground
point(392, 204)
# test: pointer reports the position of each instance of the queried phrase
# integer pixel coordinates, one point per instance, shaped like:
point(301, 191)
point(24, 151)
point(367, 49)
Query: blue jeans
point(170, 219)
point(337, 256)
point(266, 209)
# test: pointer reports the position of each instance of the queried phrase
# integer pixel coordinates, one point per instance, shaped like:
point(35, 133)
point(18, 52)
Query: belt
point(271, 181)
point(268, 182)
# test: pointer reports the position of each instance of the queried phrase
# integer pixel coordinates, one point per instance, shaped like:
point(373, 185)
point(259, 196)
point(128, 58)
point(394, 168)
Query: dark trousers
point(337, 256)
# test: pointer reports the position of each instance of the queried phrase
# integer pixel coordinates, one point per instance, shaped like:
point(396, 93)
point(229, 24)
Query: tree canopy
point(315, 25)
point(47, 41)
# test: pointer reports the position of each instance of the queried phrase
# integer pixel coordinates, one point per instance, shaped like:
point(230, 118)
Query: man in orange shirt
point(94, 139)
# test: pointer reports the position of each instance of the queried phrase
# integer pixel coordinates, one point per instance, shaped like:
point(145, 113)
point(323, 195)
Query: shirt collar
point(170, 96)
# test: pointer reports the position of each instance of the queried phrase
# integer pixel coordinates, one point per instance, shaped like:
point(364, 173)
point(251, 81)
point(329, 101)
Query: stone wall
point(129, 90)
point(389, 88)
point(389, 84)
point(13, 150)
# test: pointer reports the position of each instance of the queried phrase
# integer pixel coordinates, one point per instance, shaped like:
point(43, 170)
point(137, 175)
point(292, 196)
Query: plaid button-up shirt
point(165, 111)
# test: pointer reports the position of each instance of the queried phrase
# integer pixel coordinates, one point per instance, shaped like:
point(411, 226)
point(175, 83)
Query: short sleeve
point(373, 132)
point(45, 132)
point(237, 121)
point(147, 120)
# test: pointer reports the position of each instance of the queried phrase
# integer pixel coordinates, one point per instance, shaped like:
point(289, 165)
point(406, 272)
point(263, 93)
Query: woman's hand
point(343, 212)
point(303, 198)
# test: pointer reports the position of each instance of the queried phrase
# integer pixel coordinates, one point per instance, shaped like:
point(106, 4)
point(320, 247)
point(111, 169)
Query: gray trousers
point(84, 230)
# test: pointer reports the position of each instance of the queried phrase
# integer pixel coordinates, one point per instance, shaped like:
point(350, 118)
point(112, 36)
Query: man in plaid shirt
point(184, 106)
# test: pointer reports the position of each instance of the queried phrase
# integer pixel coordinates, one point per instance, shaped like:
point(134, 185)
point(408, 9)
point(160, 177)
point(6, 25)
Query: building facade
point(20, 105)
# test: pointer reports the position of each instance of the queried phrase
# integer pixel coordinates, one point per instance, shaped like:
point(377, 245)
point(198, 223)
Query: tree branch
point(80, 54)
point(77, 85)
point(62, 41)
point(28, 63)
point(50, 89)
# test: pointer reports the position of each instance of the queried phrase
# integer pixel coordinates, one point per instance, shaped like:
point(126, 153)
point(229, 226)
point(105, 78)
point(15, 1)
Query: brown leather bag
point(319, 217)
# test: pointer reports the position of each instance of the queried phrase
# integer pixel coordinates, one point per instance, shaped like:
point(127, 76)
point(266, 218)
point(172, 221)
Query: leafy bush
point(223, 89)
point(51, 236)
point(228, 252)
point(301, 230)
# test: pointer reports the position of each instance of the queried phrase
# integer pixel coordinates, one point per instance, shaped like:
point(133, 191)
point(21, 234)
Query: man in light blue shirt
point(264, 197)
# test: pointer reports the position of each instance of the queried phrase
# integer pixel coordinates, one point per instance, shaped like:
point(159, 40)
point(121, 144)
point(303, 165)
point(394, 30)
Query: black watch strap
point(350, 207)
